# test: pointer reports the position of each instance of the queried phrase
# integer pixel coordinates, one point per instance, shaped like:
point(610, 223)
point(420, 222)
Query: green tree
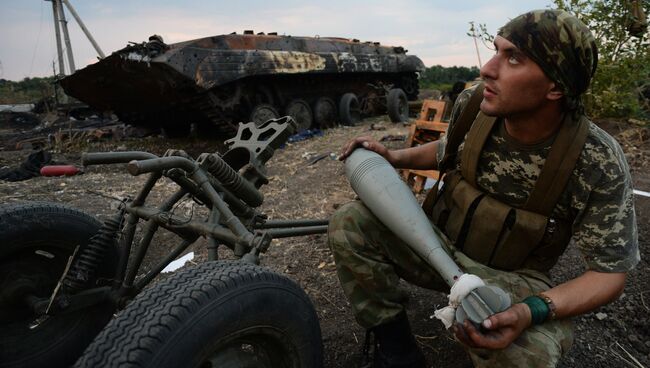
point(624, 60)
point(442, 78)
point(621, 86)
point(29, 90)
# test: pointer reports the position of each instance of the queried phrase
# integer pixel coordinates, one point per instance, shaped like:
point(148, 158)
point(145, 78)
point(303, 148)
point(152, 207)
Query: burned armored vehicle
point(217, 82)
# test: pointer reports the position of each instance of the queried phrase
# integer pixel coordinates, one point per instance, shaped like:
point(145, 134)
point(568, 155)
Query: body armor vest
point(492, 232)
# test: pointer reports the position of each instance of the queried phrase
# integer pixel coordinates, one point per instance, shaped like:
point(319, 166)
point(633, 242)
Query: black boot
point(395, 345)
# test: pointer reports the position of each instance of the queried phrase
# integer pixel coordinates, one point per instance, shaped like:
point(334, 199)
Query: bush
point(29, 90)
point(624, 60)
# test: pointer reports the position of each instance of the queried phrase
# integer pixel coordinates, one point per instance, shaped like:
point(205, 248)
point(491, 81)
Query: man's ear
point(555, 93)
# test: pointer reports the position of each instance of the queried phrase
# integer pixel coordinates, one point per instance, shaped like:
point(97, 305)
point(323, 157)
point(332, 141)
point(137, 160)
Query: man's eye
point(513, 60)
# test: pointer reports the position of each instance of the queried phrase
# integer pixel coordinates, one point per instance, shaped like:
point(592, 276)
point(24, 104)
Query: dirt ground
point(617, 335)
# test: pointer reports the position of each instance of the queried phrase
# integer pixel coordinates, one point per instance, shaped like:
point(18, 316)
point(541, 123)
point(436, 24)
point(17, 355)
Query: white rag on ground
point(465, 283)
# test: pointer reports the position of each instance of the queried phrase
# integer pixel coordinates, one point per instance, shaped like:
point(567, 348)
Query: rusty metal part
point(300, 111)
point(219, 80)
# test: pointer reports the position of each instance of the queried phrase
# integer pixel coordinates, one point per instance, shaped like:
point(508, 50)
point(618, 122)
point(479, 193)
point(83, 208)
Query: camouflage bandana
point(561, 45)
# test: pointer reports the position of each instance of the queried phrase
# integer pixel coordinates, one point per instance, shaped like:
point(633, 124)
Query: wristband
point(539, 310)
point(551, 306)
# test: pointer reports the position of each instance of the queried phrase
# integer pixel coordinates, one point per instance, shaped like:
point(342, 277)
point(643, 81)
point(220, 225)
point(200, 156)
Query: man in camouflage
point(544, 62)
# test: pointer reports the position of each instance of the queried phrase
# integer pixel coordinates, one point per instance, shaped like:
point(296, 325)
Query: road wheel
point(409, 84)
point(218, 314)
point(397, 105)
point(300, 111)
point(262, 113)
point(36, 240)
point(325, 115)
point(349, 109)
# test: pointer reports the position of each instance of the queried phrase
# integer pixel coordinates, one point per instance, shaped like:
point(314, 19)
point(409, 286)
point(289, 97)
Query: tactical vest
point(490, 231)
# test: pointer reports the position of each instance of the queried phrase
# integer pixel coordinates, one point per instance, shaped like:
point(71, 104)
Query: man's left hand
point(498, 331)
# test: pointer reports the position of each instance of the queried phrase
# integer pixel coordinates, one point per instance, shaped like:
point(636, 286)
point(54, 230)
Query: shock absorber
point(230, 179)
point(85, 265)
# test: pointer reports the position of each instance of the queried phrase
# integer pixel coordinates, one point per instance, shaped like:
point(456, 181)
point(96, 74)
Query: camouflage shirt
point(598, 199)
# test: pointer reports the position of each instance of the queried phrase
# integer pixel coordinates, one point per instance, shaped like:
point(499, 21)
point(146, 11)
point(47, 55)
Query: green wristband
point(539, 310)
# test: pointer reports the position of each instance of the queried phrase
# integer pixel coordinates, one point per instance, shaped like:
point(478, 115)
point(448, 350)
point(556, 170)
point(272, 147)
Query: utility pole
point(66, 36)
point(478, 54)
point(84, 29)
point(57, 34)
point(61, 26)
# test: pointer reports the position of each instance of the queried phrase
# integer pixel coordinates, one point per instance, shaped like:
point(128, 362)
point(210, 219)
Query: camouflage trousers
point(370, 261)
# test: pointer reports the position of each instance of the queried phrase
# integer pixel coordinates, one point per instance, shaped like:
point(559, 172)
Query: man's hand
point(498, 331)
point(368, 143)
point(422, 157)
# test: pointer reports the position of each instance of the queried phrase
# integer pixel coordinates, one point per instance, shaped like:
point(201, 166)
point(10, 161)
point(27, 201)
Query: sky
point(434, 30)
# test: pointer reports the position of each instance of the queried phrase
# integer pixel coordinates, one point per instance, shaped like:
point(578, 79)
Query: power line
point(38, 38)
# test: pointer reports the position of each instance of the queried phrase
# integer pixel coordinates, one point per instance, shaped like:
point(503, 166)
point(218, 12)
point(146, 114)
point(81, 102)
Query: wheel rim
point(34, 271)
point(409, 85)
point(255, 347)
point(299, 110)
point(262, 114)
point(403, 109)
point(355, 111)
point(325, 113)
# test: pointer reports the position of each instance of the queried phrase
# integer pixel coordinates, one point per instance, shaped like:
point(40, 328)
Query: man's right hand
point(368, 143)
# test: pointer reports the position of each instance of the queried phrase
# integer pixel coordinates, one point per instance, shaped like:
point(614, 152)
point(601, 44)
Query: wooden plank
point(432, 110)
point(434, 174)
point(428, 128)
point(432, 125)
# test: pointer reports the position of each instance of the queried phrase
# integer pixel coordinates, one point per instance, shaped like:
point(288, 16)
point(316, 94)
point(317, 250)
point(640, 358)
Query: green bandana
point(561, 45)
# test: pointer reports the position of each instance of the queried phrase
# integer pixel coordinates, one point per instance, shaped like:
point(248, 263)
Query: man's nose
point(490, 69)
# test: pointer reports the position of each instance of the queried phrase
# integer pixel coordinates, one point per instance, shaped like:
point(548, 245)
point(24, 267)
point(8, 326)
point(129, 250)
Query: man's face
point(514, 84)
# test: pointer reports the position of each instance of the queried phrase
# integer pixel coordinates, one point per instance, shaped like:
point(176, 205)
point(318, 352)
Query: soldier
point(531, 174)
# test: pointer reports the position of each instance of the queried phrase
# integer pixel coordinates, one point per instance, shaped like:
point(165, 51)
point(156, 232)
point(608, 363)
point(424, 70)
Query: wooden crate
point(427, 128)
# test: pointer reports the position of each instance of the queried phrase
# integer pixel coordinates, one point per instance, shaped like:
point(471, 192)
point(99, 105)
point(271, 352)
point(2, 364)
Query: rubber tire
point(262, 113)
point(57, 229)
point(300, 111)
point(349, 110)
point(182, 319)
point(397, 105)
point(325, 114)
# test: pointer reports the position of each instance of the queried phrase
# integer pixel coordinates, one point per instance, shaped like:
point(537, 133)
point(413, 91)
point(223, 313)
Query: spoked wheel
point(36, 241)
point(262, 113)
point(325, 114)
point(218, 314)
point(397, 105)
point(349, 109)
point(300, 111)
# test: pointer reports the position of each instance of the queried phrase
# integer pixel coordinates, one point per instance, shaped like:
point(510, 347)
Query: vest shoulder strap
point(474, 143)
point(454, 138)
point(557, 168)
point(461, 127)
point(559, 165)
